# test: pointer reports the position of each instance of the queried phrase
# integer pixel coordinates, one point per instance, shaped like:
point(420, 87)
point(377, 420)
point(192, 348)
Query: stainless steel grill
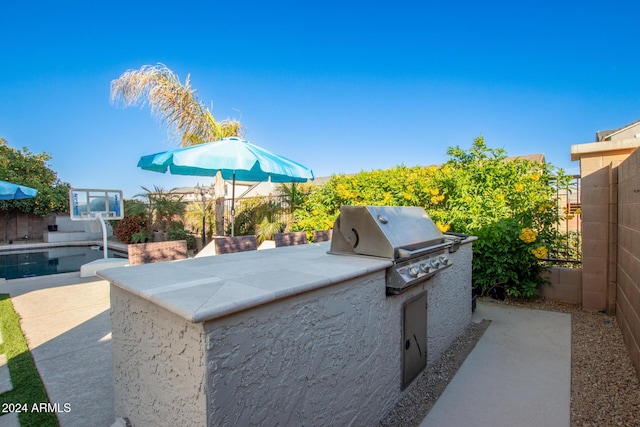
point(405, 235)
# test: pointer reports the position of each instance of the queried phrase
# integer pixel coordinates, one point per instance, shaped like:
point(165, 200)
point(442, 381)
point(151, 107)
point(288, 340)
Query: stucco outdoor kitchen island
point(287, 336)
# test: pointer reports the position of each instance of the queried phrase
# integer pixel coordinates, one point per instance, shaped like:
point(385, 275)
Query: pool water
point(42, 262)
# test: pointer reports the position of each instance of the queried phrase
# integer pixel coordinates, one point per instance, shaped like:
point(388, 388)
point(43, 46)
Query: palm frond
point(172, 102)
point(225, 128)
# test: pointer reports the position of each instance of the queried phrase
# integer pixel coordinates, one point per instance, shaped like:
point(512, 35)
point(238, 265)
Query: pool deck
point(65, 319)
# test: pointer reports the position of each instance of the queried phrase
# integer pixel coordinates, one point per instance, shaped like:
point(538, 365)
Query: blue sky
point(337, 86)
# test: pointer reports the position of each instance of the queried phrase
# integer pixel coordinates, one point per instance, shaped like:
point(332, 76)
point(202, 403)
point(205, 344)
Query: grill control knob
point(425, 267)
point(434, 263)
point(413, 271)
point(443, 260)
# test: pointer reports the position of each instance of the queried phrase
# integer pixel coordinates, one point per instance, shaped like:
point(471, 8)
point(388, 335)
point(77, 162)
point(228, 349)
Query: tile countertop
point(202, 289)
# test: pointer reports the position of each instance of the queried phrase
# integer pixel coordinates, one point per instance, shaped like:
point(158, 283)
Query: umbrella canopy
point(234, 158)
point(11, 191)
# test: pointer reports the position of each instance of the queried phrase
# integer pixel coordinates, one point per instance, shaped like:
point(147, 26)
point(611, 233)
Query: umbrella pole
point(293, 196)
point(233, 202)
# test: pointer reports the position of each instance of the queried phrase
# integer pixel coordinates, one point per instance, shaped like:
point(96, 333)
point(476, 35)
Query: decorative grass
point(28, 388)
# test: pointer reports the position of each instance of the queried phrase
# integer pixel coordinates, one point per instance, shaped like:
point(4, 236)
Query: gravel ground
point(605, 389)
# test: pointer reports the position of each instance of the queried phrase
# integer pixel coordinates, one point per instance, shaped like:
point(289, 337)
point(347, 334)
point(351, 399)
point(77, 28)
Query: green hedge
point(477, 191)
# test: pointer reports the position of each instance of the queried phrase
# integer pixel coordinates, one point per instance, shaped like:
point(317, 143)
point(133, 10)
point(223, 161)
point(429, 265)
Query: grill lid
point(383, 231)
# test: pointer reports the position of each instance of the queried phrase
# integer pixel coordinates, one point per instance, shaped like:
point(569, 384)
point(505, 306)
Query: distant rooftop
point(605, 135)
point(529, 157)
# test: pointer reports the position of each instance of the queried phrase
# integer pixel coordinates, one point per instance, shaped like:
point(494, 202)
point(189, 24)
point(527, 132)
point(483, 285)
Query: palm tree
point(173, 102)
point(293, 194)
point(195, 218)
point(162, 207)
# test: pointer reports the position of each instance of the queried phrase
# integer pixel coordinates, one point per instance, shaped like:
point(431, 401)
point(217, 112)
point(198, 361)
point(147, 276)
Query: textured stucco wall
point(449, 303)
point(329, 357)
point(158, 364)
point(323, 358)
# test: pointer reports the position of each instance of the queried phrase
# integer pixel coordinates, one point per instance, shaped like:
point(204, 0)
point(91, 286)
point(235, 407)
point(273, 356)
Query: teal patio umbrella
point(11, 191)
point(234, 158)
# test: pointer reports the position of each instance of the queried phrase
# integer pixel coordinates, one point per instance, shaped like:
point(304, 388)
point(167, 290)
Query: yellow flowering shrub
point(528, 235)
point(443, 227)
point(540, 252)
point(437, 199)
point(476, 192)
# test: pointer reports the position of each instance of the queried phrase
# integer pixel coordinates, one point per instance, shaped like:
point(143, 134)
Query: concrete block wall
point(628, 255)
point(599, 194)
point(596, 229)
point(22, 224)
point(565, 284)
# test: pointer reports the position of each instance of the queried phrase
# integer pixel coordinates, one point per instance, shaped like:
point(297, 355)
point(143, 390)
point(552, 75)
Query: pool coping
point(19, 247)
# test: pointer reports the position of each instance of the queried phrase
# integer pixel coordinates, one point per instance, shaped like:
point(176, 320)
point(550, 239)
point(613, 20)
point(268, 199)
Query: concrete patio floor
point(519, 373)
point(66, 322)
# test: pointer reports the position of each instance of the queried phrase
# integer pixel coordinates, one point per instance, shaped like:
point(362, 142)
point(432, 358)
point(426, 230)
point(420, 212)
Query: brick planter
point(144, 253)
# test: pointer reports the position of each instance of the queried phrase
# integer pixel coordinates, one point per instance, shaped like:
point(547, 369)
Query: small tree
point(294, 194)
point(258, 216)
point(510, 205)
point(25, 168)
point(193, 217)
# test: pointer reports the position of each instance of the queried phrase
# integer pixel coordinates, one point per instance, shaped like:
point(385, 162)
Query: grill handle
point(408, 253)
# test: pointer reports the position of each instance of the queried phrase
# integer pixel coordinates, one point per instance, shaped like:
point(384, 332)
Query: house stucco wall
point(627, 133)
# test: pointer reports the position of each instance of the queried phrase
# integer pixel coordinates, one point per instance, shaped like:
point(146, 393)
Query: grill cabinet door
point(414, 344)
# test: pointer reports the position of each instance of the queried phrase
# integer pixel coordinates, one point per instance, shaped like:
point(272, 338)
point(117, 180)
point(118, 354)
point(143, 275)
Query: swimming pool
point(45, 261)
